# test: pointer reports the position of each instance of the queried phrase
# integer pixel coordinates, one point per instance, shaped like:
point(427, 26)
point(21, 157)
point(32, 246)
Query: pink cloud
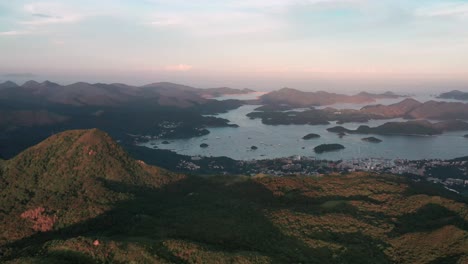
point(179, 67)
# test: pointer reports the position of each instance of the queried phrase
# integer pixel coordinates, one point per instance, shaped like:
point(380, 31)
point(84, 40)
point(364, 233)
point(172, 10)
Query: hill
point(394, 110)
point(66, 177)
point(220, 91)
point(78, 198)
point(296, 98)
point(412, 109)
point(455, 94)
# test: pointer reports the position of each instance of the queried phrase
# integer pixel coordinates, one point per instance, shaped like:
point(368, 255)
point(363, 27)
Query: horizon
point(403, 90)
point(339, 45)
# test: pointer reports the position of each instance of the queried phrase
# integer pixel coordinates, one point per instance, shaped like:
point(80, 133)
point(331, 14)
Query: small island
point(253, 147)
point(328, 147)
point(372, 140)
point(204, 145)
point(310, 136)
point(465, 136)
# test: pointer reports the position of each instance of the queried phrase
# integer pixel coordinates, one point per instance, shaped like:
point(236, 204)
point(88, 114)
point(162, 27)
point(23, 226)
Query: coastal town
point(452, 174)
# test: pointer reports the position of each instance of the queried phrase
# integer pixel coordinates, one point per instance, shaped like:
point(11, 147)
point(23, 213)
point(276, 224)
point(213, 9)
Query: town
point(452, 174)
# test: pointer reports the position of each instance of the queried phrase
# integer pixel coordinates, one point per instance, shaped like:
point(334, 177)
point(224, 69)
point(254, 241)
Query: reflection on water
point(286, 140)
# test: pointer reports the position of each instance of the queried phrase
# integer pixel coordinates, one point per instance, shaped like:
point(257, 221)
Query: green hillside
point(78, 198)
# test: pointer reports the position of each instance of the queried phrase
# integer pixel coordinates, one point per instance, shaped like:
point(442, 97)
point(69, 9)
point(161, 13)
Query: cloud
point(285, 3)
point(457, 10)
point(14, 33)
point(44, 13)
point(41, 15)
point(164, 20)
point(179, 67)
point(216, 23)
point(58, 42)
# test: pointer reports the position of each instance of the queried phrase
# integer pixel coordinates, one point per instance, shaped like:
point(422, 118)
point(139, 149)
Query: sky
point(260, 44)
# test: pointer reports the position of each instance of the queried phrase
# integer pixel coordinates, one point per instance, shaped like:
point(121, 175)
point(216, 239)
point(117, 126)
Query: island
point(296, 98)
point(274, 107)
point(204, 145)
point(328, 147)
point(372, 140)
point(253, 147)
point(310, 136)
point(310, 117)
point(280, 114)
point(465, 136)
point(419, 127)
point(413, 109)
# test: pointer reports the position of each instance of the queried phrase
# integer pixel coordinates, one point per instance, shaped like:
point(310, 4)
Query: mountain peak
point(84, 154)
point(409, 101)
point(49, 84)
point(73, 176)
point(30, 83)
point(8, 84)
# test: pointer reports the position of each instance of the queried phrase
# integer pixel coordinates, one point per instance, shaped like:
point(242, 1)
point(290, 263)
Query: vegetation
point(372, 139)
point(310, 117)
point(328, 147)
point(79, 198)
point(405, 128)
point(311, 136)
point(296, 98)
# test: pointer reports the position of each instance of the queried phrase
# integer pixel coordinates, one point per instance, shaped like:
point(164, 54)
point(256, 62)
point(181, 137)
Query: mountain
point(30, 84)
point(296, 98)
point(8, 84)
point(100, 94)
point(386, 95)
point(217, 92)
point(171, 94)
point(455, 94)
point(31, 112)
point(77, 197)
point(67, 178)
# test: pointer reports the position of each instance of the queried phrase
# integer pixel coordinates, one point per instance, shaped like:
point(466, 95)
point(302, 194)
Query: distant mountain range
point(455, 94)
point(99, 94)
point(32, 111)
point(77, 197)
